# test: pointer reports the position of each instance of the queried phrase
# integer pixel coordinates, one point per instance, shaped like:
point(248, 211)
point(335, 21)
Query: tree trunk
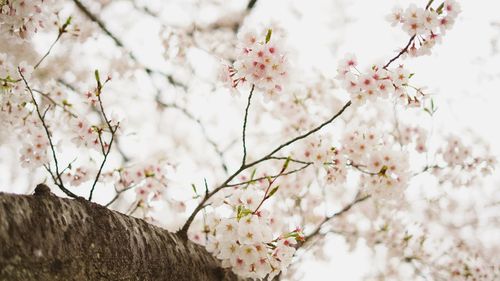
point(44, 237)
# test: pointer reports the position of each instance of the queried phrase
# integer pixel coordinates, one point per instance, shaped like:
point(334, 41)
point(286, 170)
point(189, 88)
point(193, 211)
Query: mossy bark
point(44, 237)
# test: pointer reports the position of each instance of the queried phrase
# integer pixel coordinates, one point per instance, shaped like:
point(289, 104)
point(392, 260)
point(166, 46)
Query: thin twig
point(290, 159)
point(118, 193)
point(303, 136)
point(359, 168)
point(112, 131)
point(427, 168)
point(48, 52)
point(135, 207)
point(204, 132)
point(268, 193)
point(317, 230)
point(245, 120)
point(183, 231)
point(101, 25)
point(62, 30)
point(117, 140)
point(404, 50)
point(52, 101)
point(57, 177)
point(144, 9)
point(272, 177)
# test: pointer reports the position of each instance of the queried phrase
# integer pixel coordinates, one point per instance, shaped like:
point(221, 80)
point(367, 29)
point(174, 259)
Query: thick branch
point(44, 237)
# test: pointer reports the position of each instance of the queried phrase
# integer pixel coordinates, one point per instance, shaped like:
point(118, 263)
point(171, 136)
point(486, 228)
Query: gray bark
point(44, 237)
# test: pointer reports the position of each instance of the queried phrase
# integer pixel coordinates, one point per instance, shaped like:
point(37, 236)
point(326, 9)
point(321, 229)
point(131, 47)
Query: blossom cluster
point(34, 151)
point(391, 176)
point(9, 71)
point(336, 168)
point(22, 19)
point(293, 114)
point(79, 175)
point(262, 62)
point(245, 240)
point(425, 23)
point(413, 134)
point(306, 105)
point(463, 164)
point(149, 180)
point(13, 108)
point(377, 82)
point(314, 150)
point(468, 264)
point(411, 242)
point(383, 167)
point(384, 170)
point(84, 133)
point(17, 113)
point(456, 153)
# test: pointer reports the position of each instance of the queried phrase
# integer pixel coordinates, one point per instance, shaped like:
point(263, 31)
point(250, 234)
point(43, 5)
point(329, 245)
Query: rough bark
point(44, 237)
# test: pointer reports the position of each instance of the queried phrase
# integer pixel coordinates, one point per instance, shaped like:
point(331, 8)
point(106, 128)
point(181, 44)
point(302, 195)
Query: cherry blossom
point(262, 62)
point(21, 19)
point(428, 24)
point(378, 82)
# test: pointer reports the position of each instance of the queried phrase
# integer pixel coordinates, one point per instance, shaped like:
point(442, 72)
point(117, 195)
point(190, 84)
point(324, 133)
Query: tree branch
point(112, 129)
point(303, 136)
point(405, 49)
point(251, 4)
point(183, 231)
point(317, 230)
point(45, 237)
point(61, 31)
point(57, 177)
point(303, 167)
point(245, 120)
point(122, 153)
